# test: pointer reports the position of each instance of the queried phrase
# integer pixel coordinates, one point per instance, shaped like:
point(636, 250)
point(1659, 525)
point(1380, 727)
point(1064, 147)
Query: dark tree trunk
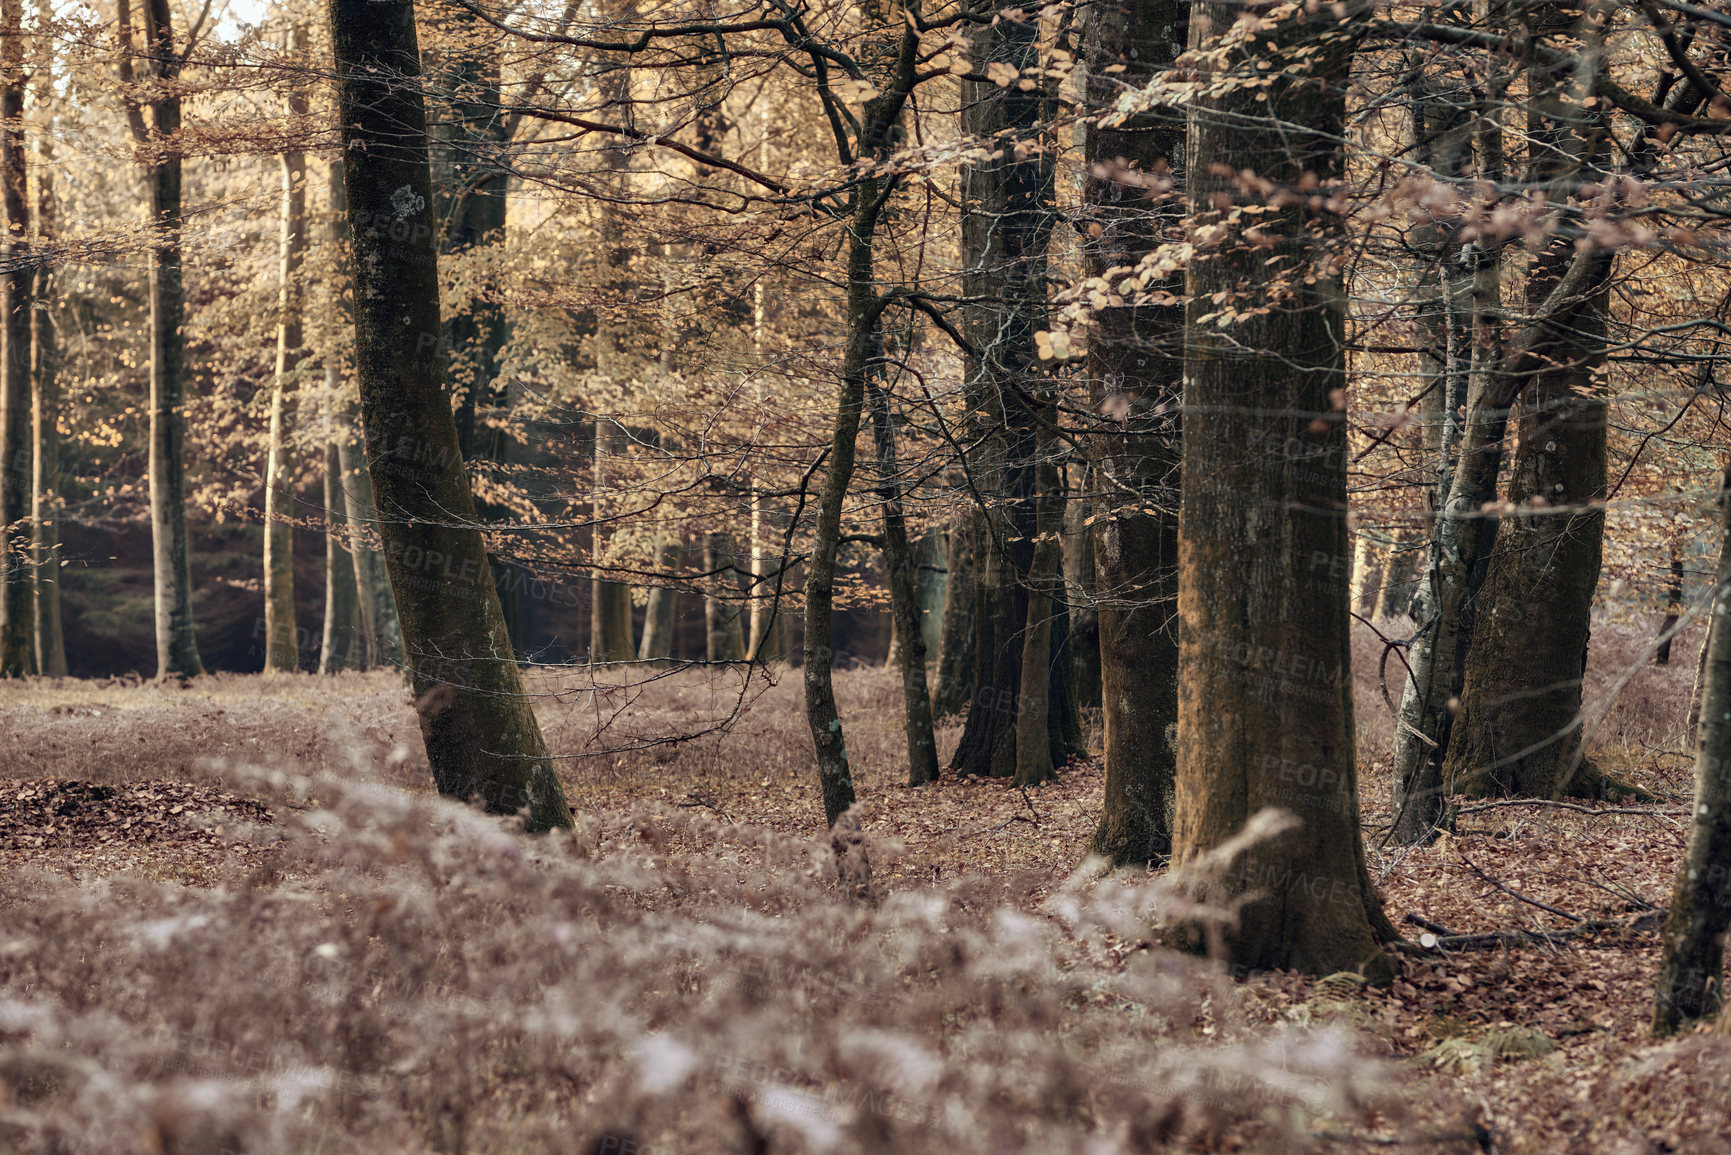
point(723, 630)
point(1265, 706)
point(1518, 728)
point(910, 655)
point(1673, 609)
point(1136, 366)
point(1006, 225)
point(610, 601)
point(956, 644)
point(171, 563)
point(659, 616)
point(480, 731)
point(45, 369)
point(17, 604)
point(1691, 967)
point(1084, 617)
point(1036, 758)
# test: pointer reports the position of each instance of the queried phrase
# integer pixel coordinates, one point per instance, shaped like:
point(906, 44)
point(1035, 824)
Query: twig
point(1490, 940)
point(1545, 906)
point(1030, 803)
point(1647, 810)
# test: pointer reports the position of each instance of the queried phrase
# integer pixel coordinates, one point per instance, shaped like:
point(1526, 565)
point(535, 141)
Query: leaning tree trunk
point(281, 645)
point(476, 720)
point(910, 654)
point(1264, 675)
point(44, 376)
point(1518, 726)
point(1006, 225)
point(17, 609)
point(1692, 964)
point(1136, 367)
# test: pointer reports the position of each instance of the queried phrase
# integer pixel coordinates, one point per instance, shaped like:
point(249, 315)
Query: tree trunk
point(1518, 726)
point(610, 601)
point(17, 608)
point(659, 613)
point(45, 369)
point(904, 596)
point(1136, 367)
point(1673, 608)
point(171, 563)
point(1265, 706)
point(1079, 592)
point(480, 732)
point(724, 638)
point(281, 647)
point(1006, 225)
point(338, 649)
point(1692, 964)
point(376, 605)
point(1036, 761)
point(956, 653)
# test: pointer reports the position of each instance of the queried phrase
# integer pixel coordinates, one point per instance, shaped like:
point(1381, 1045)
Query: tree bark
point(1079, 591)
point(17, 608)
point(1007, 218)
point(1136, 369)
point(1673, 609)
point(910, 657)
point(724, 637)
point(281, 646)
point(171, 563)
point(45, 382)
point(1692, 963)
point(956, 653)
point(480, 732)
point(1518, 727)
point(1036, 761)
point(1265, 706)
point(659, 613)
point(610, 601)
point(375, 604)
point(338, 648)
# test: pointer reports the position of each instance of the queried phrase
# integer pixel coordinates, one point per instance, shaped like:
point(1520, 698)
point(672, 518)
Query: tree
point(44, 376)
point(159, 149)
point(282, 647)
point(17, 609)
point(1135, 369)
point(480, 732)
point(1691, 966)
point(1264, 683)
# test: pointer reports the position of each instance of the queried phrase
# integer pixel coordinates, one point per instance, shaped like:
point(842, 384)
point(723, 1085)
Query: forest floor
point(1539, 1047)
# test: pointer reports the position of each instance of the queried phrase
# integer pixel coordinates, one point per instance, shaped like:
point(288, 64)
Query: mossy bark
point(1692, 963)
point(1264, 685)
point(481, 736)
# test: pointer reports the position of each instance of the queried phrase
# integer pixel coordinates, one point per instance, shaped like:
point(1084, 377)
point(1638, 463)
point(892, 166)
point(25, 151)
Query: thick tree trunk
point(17, 604)
point(610, 601)
point(1006, 225)
point(910, 654)
point(176, 639)
point(1691, 967)
point(1518, 727)
point(1036, 760)
point(1265, 706)
point(931, 581)
point(659, 612)
point(281, 647)
point(45, 383)
point(480, 732)
point(956, 642)
point(1136, 366)
point(1084, 616)
point(339, 648)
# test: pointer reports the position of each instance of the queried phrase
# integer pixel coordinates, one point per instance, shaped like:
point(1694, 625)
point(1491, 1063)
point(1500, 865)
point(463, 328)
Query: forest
point(648, 576)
